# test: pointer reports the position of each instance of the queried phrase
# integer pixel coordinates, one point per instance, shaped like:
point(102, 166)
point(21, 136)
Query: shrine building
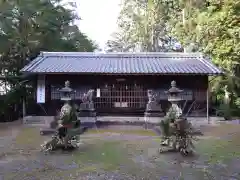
point(120, 80)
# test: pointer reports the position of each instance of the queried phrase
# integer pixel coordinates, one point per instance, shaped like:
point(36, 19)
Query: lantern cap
point(66, 88)
point(173, 89)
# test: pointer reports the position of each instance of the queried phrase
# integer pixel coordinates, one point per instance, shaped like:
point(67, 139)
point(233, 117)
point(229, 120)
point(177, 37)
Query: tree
point(214, 27)
point(143, 26)
point(28, 27)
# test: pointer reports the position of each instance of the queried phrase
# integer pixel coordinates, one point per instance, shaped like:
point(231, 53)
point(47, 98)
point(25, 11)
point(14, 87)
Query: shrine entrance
point(121, 97)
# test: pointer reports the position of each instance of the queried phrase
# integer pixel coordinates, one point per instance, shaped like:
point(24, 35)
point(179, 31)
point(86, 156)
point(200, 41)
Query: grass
point(93, 157)
point(219, 150)
point(106, 155)
point(29, 136)
point(97, 155)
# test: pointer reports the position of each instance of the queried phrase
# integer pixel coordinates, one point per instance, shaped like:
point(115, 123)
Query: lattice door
point(122, 96)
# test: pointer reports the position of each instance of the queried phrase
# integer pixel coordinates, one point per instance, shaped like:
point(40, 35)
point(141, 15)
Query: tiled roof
point(121, 63)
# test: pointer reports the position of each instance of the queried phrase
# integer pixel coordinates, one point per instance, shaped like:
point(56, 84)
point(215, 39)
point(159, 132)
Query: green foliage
point(208, 26)
point(142, 26)
point(28, 27)
point(228, 111)
point(213, 27)
point(237, 102)
point(177, 133)
point(10, 102)
point(225, 111)
point(165, 127)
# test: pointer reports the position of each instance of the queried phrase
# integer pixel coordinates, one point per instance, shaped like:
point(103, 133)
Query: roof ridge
point(105, 54)
point(33, 63)
point(208, 64)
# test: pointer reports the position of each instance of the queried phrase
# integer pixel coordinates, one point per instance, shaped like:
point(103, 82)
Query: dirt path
point(8, 132)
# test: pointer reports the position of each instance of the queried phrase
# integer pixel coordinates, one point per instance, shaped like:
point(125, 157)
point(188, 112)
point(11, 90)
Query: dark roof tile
point(121, 63)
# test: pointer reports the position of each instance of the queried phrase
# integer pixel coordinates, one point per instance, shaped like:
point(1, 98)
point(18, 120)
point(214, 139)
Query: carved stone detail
point(153, 108)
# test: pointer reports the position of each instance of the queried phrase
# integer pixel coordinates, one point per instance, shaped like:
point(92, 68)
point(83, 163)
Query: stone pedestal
point(153, 109)
point(87, 110)
point(87, 114)
point(153, 113)
point(51, 127)
point(89, 106)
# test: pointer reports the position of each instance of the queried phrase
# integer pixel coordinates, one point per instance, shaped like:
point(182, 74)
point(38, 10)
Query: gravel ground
point(142, 150)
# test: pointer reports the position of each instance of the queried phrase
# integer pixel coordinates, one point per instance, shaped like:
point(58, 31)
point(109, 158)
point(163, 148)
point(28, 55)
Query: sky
point(99, 19)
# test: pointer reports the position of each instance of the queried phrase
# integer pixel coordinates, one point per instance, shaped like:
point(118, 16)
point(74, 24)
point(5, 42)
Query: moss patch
point(219, 150)
point(105, 155)
point(223, 145)
point(29, 136)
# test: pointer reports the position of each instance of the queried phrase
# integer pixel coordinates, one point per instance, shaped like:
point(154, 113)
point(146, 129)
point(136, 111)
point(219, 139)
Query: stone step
point(120, 118)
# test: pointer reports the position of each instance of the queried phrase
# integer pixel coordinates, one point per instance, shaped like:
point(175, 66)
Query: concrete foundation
point(45, 120)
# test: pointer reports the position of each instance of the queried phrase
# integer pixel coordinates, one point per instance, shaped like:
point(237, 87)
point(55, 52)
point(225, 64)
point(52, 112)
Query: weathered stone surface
point(87, 106)
point(153, 114)
point(87, 113)
point(153, 108)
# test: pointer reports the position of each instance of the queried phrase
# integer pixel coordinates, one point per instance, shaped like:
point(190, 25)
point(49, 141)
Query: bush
point(225, 111)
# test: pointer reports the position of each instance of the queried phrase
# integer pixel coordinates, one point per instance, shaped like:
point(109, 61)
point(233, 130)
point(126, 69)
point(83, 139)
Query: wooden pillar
point(23, 109)
point(208, 106)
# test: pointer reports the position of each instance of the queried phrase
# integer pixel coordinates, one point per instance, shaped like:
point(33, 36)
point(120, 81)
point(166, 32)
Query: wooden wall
point(194, 86)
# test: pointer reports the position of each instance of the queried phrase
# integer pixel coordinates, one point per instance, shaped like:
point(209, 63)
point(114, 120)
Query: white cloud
point(99, 18)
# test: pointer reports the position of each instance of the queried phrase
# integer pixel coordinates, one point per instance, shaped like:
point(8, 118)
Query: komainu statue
point(151, 96)
point(88, 97)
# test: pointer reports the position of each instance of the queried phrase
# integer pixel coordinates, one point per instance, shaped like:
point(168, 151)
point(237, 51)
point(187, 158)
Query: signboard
point(117, 104)
point(41, 89)
point(124, 104)
point(121, 104)
point(98, 93)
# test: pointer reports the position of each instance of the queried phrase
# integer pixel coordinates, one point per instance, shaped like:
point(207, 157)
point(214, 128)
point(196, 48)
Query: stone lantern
point(66, 92)
point(66, 97)
point(174, 97)
point(178, 126)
